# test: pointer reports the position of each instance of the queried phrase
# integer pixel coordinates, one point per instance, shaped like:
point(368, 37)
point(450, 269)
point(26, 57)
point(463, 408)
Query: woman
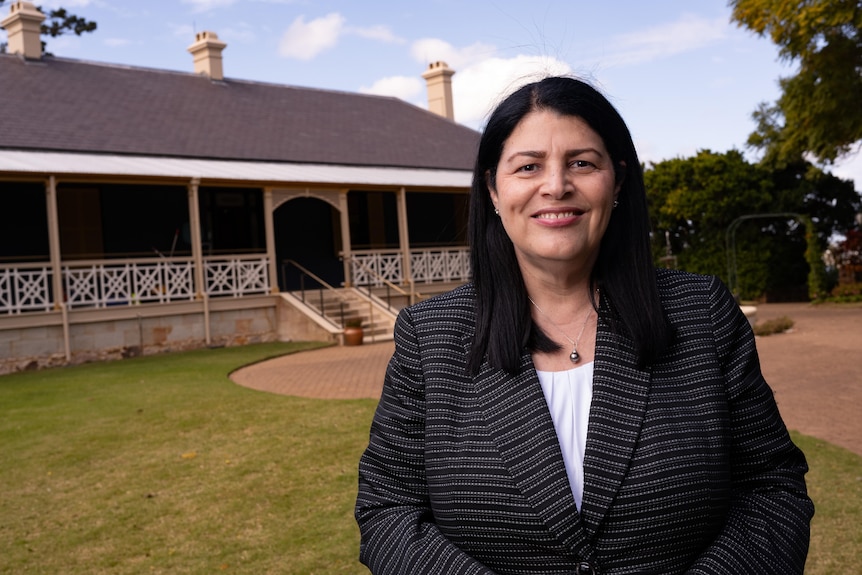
point(574, 410)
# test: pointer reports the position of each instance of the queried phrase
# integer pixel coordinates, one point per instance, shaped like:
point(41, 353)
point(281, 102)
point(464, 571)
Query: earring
point(616, 203)
point(496, 212)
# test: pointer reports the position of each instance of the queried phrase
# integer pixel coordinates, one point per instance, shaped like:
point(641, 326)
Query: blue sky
point(681, 74)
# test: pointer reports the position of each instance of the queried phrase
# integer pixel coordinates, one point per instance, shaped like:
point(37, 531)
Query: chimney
point(438, 78)
point(206, 52)
point(23, 28)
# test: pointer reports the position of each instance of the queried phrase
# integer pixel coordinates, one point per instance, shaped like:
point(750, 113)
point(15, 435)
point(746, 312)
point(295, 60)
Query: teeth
point(555, 216)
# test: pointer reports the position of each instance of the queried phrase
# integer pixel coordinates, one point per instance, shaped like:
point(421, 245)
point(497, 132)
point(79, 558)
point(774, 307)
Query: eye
point(529, 168)
point(583, 165)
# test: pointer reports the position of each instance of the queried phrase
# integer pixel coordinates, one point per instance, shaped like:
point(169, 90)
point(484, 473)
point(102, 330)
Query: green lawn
point(161, 464)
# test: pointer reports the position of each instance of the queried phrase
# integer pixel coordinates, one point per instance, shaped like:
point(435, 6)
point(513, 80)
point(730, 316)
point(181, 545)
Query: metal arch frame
point(730, 241)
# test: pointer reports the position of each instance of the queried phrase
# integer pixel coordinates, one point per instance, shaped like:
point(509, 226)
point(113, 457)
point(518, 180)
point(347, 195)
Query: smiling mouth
point(557, 215)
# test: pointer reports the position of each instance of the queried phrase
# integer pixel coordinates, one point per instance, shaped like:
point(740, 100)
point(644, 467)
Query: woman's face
point(555, 190)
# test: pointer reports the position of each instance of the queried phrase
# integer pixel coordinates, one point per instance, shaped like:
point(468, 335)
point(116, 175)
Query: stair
point(337, 306)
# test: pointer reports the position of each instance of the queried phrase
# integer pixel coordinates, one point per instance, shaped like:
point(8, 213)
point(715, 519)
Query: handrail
point(411, 296)
point(313, 276)
point(323, 283)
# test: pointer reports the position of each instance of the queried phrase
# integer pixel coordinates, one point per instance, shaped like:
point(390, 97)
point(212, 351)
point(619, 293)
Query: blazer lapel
point(620, 393)
point(520, 423)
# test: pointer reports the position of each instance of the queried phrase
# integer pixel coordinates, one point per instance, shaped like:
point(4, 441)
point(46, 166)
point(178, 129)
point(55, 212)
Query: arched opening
point(308, 232)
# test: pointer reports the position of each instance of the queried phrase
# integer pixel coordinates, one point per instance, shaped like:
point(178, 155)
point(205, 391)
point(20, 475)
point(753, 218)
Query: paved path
point(815, 371)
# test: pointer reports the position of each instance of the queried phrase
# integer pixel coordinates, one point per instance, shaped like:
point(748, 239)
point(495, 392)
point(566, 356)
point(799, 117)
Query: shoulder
point(455, 309)
point(692, 298)
point(680, 289)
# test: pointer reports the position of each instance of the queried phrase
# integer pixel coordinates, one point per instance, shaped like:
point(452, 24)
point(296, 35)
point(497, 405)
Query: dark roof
point(71, 105)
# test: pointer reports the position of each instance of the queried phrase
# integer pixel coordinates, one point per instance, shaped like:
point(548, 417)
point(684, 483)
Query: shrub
point(777, 325)
point(847, 292)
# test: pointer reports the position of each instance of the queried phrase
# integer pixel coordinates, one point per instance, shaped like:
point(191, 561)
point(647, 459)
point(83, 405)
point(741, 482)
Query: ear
point(491, 190)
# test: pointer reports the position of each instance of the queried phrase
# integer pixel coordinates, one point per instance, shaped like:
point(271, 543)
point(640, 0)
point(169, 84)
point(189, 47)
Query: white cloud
point(207, 5)
point(304, 41)
point(478, 88)
point(850, 168)
point(686, 34)
point(54, 4)
point(380, 32)
point(429, 50)
point(407, 88)
point(480, 81)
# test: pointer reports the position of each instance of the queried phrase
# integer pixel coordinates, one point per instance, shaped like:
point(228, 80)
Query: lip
point(558, 216)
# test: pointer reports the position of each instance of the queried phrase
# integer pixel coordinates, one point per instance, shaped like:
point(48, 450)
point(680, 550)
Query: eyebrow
point(539, 155)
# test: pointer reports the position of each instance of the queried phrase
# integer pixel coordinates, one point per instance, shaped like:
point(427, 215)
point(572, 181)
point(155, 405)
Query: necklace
point(574, 356)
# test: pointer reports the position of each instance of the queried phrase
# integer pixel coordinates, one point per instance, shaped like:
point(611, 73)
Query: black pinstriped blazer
point(688, 465)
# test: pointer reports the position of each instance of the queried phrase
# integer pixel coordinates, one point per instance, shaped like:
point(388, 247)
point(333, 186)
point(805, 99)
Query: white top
point(569, 394)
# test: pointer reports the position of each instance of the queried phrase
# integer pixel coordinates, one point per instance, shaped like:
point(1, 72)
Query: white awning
point(261, 173)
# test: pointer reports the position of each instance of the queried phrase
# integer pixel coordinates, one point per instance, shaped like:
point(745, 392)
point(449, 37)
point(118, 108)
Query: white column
point(345, 236)
point(404, 236)
point(269, 227)
point(56, 261)
point(195, 235)
point(54, 241)
point(197, 252)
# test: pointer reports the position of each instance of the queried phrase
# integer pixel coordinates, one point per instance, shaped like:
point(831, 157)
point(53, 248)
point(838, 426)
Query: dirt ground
point(815, 371)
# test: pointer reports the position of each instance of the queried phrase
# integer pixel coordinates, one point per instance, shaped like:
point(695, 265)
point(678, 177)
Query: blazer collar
point(620, 394)
point(520, 423)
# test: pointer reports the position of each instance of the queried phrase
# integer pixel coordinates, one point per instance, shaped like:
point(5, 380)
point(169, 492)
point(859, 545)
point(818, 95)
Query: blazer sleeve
point(396, 524)
point(767, 527)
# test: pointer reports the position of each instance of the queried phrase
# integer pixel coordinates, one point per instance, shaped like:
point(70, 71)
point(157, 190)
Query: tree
point(819, 110)
point(57, 23)
point(696, 199)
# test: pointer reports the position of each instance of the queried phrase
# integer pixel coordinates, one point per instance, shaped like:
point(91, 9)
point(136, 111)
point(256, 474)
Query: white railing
point(427, 266)
point(107, 283)
point(369, 268)
point(447, 265)
point(237, 276)
point(25, 287)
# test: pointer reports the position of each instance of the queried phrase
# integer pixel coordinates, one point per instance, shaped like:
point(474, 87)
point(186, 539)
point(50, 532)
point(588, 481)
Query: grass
point(161, 464)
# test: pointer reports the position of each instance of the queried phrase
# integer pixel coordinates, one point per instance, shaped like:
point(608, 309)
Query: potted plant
point(353, 333)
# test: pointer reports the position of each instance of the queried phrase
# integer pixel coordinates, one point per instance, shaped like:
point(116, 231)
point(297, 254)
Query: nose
point(556, 184)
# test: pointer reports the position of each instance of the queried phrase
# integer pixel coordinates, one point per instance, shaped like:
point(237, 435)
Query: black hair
point(624, 270)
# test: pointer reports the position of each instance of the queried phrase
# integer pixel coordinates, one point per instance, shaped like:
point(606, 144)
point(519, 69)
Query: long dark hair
point(624, 270)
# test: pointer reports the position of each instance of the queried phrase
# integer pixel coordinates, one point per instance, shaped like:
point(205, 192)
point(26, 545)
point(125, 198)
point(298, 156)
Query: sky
point(681, 74)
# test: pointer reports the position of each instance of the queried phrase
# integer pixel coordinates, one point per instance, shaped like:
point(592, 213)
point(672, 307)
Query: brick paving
point(815, 371)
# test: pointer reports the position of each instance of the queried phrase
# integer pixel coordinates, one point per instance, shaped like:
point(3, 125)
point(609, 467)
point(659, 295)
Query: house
point(148, 210)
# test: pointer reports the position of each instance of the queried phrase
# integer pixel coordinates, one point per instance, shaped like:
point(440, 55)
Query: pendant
point(574, 356)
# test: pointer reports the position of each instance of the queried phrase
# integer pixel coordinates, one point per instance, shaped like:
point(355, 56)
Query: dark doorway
point(308, 232)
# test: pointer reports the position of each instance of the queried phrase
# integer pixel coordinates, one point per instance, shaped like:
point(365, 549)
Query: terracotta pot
point(353, 336)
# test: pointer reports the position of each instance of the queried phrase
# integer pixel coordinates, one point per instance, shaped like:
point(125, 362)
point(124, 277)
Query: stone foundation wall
point(38, 346)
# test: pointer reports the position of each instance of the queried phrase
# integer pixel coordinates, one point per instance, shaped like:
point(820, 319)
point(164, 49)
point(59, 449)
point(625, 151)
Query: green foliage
point(813, 255)
point(818, 111)
point(846, 293)
point(696, 199)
